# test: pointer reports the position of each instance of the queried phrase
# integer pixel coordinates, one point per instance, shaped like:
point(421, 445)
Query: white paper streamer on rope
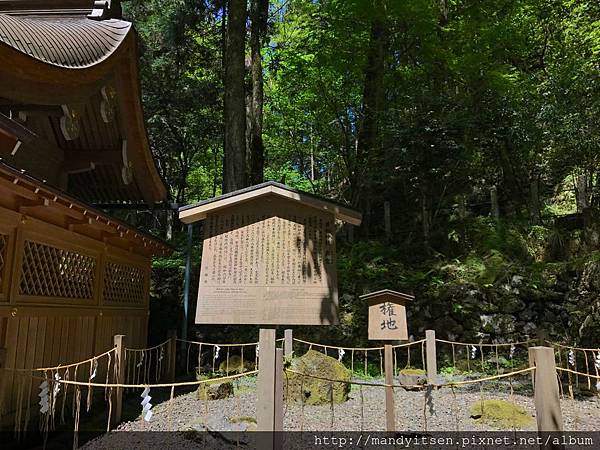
point(597, 361)
point(146, 405)
point(43, 397)
point(217, 350)
point(473, 352)
point(571, 357)
point(141, 360)
point(162, 353)
point(512, 351)
point(341, 354)
point(257, 349)
point(56, 389)
point(94, 370)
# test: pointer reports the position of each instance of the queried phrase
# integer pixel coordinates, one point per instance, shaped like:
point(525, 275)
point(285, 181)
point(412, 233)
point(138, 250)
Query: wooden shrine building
point(72, 136)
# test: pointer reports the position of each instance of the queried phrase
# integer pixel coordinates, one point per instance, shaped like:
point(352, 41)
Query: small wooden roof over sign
point(388, 293)
point(199, 211)
point(387, 315)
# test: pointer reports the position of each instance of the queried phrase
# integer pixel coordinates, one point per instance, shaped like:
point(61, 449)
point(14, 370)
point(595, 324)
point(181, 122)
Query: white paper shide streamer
point(146, 405)
point(571, 357)
point(473, 352)
point(341, 354)
point(44, 400)
point(217, 350)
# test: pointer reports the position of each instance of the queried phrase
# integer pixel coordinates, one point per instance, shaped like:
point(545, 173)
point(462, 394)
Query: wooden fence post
point(431, 357)
point(266, 387)
point(172, 336)
point(119, 368)
point(278, 419)
point(390, 416)
point(546, 393)
point(288, 343)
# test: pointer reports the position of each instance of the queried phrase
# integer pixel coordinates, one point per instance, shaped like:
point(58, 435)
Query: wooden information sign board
point(387, 315)
point(268, 258)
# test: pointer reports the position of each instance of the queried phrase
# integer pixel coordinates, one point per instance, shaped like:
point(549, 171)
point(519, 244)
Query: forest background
point(476, 121)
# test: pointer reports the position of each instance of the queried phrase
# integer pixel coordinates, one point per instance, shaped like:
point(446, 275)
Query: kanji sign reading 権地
point(268, 258)
point(387, 315)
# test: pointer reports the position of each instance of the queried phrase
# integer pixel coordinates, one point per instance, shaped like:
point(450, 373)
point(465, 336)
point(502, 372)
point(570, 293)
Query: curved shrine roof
point(73, 42)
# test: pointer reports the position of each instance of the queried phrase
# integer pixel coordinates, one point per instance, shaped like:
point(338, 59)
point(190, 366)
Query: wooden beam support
point(33, 206)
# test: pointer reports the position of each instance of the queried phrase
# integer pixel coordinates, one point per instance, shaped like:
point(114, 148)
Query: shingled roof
point(69, 81)
point(74, 42)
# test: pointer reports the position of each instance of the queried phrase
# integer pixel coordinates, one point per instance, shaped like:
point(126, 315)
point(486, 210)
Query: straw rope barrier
point(575, 372)
point(150, 385)
point(419, 386)
point(221, 345)
point(556, 344)
point(60, 367)
point(147, 349)
point(478, 344)
point(357, 349)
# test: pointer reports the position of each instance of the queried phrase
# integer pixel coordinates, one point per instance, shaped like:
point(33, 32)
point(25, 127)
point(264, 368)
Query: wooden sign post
point(268, 258)
point(387, 322)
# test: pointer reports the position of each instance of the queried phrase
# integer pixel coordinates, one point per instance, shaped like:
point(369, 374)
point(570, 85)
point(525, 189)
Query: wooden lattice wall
point(63, 296)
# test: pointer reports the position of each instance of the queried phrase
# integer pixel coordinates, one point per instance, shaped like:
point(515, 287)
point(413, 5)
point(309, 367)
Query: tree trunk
point(581, 192)
point(258, 15)
point(234, 170)
point(368, 152)
point(494, 202)
point(535, 201)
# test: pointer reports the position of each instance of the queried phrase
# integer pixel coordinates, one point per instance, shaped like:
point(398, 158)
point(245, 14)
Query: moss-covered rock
point(314, 391)
point(409, 378)
point(501, 414)
point(214, 390)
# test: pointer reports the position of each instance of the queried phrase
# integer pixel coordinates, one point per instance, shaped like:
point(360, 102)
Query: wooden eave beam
point(34, 198)
point(21, 132)
point(18, 189)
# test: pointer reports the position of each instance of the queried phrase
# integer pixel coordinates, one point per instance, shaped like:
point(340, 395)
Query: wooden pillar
point(172, 336)
point(387, 220)
point(265, 412)
point(278, 420)
point(266, 387)
point(431, 357)
point(288, 343)
point(546, 393)
point(390, 415)
point(119, 368)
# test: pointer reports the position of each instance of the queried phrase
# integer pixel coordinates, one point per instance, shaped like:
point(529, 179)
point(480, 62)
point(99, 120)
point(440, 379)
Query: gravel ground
point(450, 412)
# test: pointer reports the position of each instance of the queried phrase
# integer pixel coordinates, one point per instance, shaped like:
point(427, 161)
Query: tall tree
point(234, 170)
point(256, 151)
point(368, 154)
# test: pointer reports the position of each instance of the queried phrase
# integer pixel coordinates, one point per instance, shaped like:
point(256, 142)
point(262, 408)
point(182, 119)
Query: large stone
point(410, 379)
point(215, 390)
point(313, 391)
